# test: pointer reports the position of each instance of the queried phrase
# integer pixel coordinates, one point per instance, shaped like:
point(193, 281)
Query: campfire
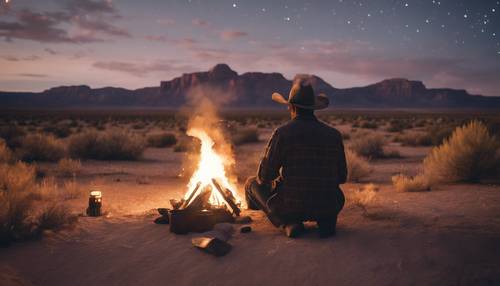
point(211, 198)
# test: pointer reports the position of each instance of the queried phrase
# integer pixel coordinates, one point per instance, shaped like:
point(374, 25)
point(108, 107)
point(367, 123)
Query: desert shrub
point(114, 145)
point(420, 123)
point(368, 145)
point(16, 183)
point(244, 136)
point(369, 125)
point(68, 167)
point(59, 130)
point(54, 216)
point(72, 190)
point(162, 140)
point(357, 167)
point(20, 216)
point(468, 155)
point(12, 135)
point(139, 125)
point(40, 147)
point(5, 153)
point(417, 183)
point(398, 125)
point(414, 139)
point(439, 133)
point(47, 189)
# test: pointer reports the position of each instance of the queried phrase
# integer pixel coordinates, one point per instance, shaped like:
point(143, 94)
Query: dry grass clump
point(363, 196)
point(357, 167)
point(59, 130)
point(414, 139)
point(398, 125)
point(12, 135)
point(54, 216)
point(5, 153)
point(40, 147)
point(22, 212)
point(162, 140)
point(417, 183)
point(369, 125)
point(244, 136)
point(112, 145)
point(368, 145)
point(68, 167)
point(468, 155)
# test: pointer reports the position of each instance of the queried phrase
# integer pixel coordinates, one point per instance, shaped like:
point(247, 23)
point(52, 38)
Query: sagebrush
point(470, 154)
point(109, 145)
point(41, 147)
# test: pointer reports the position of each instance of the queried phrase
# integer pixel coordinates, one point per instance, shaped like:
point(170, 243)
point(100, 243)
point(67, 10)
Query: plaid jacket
point(305, 162)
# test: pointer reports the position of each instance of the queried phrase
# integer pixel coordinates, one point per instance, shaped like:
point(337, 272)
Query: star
point(234, 5)
point(465, 16)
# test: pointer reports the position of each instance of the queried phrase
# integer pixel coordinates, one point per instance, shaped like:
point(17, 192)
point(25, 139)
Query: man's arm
point(342, 167)
point(273, 159)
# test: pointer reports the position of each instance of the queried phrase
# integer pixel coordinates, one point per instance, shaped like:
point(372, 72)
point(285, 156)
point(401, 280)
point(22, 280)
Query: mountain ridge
point(250, 89)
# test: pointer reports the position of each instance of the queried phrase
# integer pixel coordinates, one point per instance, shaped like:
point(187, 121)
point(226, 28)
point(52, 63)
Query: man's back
point(310, 157)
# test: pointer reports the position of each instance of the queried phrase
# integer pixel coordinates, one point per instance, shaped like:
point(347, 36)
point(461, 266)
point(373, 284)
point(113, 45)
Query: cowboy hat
point(303, 96)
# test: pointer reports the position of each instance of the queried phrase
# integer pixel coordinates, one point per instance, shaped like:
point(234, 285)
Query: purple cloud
point(201, 23)
point(156, 38)
point(166, 22)
point(79, 22)
point(32, 75)
point(232, 34)
point(18, 59)
point(140, 69)
point(51, 51)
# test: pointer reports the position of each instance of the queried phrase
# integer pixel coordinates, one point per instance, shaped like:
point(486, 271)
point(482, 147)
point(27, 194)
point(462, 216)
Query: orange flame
point(210, 166)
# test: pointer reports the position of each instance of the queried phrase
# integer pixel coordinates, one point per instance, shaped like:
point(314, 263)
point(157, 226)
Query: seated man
point(298, 178)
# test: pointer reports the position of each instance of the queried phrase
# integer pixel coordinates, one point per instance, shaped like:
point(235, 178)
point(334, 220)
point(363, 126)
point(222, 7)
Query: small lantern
point(95, 203)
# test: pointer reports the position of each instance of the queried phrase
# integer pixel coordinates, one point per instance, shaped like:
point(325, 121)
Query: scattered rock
point(212, 246)
point(163, 211)
point(246, 229)
point(162, 220)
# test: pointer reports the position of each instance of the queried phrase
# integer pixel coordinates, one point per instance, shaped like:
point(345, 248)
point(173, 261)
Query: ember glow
point(210, 166)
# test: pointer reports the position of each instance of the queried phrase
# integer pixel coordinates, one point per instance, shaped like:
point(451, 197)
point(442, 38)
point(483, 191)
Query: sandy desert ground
point(448, 236)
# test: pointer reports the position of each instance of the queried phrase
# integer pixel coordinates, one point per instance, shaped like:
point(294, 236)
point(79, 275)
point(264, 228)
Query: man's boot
point(293, 230)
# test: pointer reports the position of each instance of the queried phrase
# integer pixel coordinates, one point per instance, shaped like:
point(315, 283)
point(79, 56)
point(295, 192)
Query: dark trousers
point(260, 197)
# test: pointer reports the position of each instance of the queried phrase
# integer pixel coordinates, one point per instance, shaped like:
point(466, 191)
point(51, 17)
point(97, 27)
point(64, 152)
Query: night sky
point(134, 44)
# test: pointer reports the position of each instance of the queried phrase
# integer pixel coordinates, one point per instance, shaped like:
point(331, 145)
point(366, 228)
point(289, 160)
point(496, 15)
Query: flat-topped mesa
point(400, 87)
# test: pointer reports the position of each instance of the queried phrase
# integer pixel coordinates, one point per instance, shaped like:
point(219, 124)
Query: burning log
point(186, 202)
point(201, 201)
point(228, 197)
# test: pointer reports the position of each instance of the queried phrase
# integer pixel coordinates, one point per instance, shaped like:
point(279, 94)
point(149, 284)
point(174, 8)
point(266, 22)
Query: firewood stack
point(196, 214)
